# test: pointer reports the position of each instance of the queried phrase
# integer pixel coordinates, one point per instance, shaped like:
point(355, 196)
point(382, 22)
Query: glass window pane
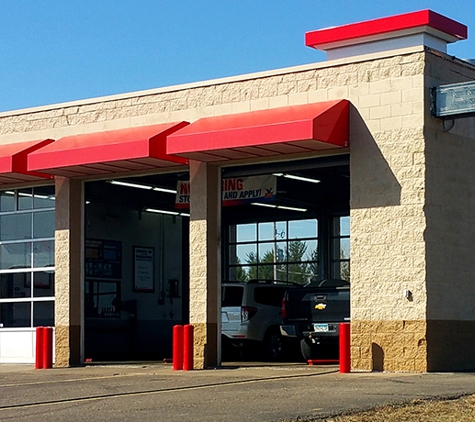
point(15, 285)
point(266, 252)
point(7, 201)
point(280, 230)
point(43, 314)
point(43, 254)
point(43, 224)
point(269, 249)
point(25, 199)
point(345, 270)
point(266, 231)
point(341, 269)
point(312, 270)
point(281, 272)
point(243, 254)
point(15, 255)
point(15, 314)
point(43, 197)
point(43, 284)
point(303, 250)
point(267, 272)
point(345, 248)
point(341, 226)
point(301, 229)
point(345, 226)
point(252, 273)
point(232, 295)
point(238, 273)
point(341, 248)
point(269, 297)
point(299, 273)
point(246, 232)
point(15, 227)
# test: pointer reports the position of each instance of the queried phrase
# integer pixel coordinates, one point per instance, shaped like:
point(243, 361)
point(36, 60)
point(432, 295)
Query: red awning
point(13, 162)
point(102, 153)
point(286, 130)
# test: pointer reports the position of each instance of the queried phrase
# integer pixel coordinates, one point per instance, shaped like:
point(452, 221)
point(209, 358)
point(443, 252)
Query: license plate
point(320, 328)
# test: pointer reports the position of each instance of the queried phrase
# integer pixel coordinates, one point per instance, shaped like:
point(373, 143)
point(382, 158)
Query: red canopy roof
point(286, 130)
point(13, 162)
point(115, 151)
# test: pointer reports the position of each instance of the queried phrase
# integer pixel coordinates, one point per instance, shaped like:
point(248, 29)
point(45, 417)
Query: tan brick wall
point(389, 345)
point(68, 281)
point(205, 265)
point(387, 219)
point(450, 233)
point(411, 207)
point(61, 312)
point(366, 82)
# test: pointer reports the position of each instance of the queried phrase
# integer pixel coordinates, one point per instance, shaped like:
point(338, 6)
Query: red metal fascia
point(384, 26)
point(286, 124)
point(14, 157)
point(107, 146)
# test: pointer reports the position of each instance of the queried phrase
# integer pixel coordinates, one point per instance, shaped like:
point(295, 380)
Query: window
point(269, 296)
point(27, 221)
point(278, 250)
point(340, 261)
point(232, 295)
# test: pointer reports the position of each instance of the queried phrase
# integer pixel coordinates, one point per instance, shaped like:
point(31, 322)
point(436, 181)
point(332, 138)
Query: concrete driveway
point(154, 392)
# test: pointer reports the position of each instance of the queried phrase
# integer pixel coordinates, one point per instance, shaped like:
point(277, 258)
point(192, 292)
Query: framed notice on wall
point(143, 269)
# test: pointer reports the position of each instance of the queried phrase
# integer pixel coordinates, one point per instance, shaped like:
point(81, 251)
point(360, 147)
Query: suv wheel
point(272, 346)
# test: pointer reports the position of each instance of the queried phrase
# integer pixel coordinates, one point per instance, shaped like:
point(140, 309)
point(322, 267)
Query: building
point(85, 244)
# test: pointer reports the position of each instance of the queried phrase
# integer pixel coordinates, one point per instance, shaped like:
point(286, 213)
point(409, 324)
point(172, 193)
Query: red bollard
point(47, 347)
point(345, 364)
point(39, 348)
point(188, 347)
point(177, 347)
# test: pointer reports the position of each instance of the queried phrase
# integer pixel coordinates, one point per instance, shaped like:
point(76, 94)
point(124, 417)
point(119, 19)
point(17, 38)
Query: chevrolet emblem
point(320, 306)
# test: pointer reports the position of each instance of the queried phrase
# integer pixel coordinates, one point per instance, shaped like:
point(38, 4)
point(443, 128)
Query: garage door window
point(341, 248)
point(278, 250)
point(27, 220)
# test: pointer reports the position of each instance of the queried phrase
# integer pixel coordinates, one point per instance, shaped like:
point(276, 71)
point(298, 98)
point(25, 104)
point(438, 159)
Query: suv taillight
point(284, 308)
point(247, 312)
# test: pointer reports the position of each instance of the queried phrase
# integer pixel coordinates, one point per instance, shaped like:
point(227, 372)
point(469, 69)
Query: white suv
point(251, 315)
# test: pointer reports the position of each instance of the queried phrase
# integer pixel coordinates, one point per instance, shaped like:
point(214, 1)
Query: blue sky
point(54, 51)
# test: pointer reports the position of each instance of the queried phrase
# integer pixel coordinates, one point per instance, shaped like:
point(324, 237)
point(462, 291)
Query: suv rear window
point(232, 295)
point(269, 296)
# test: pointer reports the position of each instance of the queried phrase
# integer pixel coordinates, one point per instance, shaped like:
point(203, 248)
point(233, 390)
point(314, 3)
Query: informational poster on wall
point(235, 191)
point(104, 259)
point(143, 269)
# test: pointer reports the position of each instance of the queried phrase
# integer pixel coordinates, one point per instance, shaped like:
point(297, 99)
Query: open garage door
point(298, 234)
point(136, 267)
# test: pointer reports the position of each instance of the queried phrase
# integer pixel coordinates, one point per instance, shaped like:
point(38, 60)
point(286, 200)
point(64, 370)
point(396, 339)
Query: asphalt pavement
point(241, 392)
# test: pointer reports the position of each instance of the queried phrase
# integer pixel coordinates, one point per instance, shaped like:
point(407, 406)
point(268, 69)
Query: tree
point(298, 270)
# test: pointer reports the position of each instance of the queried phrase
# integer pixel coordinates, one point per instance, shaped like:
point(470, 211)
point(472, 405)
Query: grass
point(459, 409)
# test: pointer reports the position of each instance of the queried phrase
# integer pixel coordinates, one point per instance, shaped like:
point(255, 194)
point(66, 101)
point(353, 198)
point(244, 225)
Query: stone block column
point(68, 272)
point(205, 262)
